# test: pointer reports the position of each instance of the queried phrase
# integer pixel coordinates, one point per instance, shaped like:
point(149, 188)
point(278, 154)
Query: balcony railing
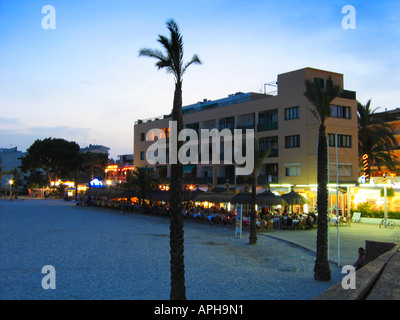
point(224, 180)
point(245, 126)
point(267, 126)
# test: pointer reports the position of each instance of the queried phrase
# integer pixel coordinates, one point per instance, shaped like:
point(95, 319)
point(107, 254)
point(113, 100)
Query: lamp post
point(10, 183)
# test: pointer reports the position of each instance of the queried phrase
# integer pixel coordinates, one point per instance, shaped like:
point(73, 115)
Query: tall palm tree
point(321, 100)
point(376, 139)
point(259, 157)
point(172, 61)
point(143, 179)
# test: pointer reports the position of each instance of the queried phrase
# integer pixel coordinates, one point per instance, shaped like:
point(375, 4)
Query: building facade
point(283, 120)
point(10, 159)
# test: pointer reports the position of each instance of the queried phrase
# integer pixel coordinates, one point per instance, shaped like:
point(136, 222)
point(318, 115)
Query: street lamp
point(10, 182)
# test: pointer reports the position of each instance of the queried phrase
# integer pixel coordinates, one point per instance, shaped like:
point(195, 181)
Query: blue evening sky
point(83, 80)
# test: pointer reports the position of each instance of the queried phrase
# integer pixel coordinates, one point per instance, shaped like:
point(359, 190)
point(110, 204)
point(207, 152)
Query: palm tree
point(259, 157)
point(142, 178)
point(376, 139)
point(172, 61)
point(321, 100)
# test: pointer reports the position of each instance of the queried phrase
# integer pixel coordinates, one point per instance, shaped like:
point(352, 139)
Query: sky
point(82, 80)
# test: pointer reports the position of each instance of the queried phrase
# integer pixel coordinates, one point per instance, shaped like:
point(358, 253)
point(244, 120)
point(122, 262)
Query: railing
point(267, 126)
point(224, 180)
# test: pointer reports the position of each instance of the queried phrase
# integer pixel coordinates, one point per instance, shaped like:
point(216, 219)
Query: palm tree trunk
point(176, 216)
point(49, 176)
point(322, 270)
point(253, 225)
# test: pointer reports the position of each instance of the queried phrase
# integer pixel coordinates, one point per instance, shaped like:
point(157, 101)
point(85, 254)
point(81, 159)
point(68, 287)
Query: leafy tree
point(36, 179)
point(172, 61)
point(375, 139)
point(93, 164)
point(55, 156)
point(321, 100)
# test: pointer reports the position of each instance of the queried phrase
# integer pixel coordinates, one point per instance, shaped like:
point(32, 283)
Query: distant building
point(125, 159)
point(10, 159)
point(95, 149)
point(116, 173)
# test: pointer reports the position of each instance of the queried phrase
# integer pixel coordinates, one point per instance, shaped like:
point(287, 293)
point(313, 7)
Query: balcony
point(274, 153)
point(224, 180)
point(347, 94)
point(261, 180)
point(267, 126)
point(245, 126)
point(197, 180)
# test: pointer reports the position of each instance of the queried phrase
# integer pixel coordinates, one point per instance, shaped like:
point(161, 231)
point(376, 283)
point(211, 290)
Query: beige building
point(283, 120)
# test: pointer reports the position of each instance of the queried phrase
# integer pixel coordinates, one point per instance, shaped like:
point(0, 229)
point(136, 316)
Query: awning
point(188, 168)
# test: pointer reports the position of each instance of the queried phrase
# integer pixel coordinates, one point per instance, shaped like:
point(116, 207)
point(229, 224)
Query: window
point(344, 141)
point(193, 126)
point(265, 143)
point(226, 123)
point(292, 141)
point(271, 172)
point(292, 113)
point(268, 116)
point(319, 82)
point(340, 112)
point(292, 170)
point(344, 170)
point(142, 153)
point(142, 136)
point(329, 83)
point(268, 120)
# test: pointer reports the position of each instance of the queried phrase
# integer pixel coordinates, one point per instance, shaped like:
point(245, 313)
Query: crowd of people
point(277, 219)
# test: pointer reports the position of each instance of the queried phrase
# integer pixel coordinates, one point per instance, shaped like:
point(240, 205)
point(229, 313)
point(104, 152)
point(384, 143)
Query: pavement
point(350, 239)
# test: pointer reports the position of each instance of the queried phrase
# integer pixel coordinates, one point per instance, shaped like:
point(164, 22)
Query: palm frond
point(321, 99)
point(195, 59)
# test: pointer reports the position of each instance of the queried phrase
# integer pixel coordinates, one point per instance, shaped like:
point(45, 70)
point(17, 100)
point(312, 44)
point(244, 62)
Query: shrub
point(365, 209)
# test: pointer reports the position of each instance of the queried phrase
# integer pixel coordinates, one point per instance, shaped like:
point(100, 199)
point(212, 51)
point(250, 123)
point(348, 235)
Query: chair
point(356, 217)
point(262, 226)
point(270, 225)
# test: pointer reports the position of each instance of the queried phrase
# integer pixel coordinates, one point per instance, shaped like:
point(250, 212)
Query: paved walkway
point(350, 239)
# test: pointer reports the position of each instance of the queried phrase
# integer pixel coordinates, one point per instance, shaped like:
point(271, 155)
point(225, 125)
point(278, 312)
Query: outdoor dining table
point(212, 216)
point(227, 219)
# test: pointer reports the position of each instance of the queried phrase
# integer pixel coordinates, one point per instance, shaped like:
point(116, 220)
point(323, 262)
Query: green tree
point(16, 177)
point(36, 179)
point(376, 140)
point(321, 100)
point(55, 156)
point(93, 164)
point(172, 61)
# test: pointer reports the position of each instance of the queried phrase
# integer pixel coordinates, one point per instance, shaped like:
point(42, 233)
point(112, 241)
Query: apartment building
point(283, 120)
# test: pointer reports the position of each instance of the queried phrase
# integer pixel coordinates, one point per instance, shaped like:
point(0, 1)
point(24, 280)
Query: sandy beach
point(100, 254)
